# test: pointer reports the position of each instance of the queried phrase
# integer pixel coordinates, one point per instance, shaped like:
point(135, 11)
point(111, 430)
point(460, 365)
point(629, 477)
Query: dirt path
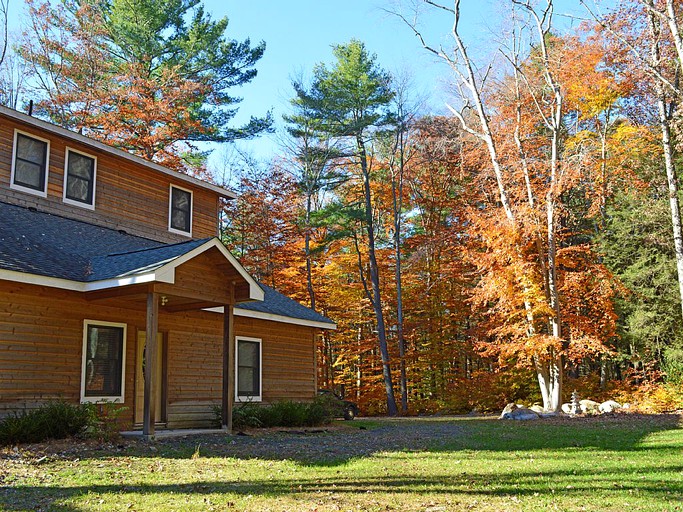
point(335, 443)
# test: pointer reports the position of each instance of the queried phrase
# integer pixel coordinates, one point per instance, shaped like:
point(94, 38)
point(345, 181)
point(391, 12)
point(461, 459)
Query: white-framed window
point(180, 210)
point(104, 362)
point(248, 369)
point(31, 156)
point(80, 170)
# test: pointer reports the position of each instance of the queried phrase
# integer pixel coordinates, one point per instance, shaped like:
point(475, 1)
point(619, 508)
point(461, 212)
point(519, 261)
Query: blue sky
point(300, 33)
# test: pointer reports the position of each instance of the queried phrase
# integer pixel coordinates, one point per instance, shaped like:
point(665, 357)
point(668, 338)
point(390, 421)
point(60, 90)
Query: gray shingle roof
point(44, 244)
point(49, 245)
point(276, 303)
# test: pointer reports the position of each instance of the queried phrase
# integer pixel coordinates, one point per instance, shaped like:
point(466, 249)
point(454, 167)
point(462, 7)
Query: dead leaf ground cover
point(608, 463)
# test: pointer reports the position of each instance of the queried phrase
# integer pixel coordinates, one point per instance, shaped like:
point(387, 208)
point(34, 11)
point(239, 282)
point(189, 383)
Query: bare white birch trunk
point(665, 125)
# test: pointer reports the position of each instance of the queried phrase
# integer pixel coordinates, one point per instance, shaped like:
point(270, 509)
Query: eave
point(163, 272)
point(118, 153)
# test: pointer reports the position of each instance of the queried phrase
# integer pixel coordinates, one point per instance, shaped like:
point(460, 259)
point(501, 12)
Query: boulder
point(609, 406)
point(507, 410)
point(567, 408)
point(537, 408)
point(589, 407)
point(517, 412)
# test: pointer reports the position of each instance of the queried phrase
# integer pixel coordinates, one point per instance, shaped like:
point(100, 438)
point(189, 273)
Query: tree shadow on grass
point(584, 486)
point(402, 444)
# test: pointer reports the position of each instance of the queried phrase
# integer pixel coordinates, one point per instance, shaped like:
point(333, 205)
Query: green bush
point(319, 413)
point(55, 420)
point(673, 365)
point(104, 421)
point(281, 414)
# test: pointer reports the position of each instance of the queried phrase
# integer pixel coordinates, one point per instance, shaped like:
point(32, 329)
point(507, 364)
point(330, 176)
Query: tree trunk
point(397, 193)
point(376, 296)
point(667, 147)
point(549, 374)
point(307, 249)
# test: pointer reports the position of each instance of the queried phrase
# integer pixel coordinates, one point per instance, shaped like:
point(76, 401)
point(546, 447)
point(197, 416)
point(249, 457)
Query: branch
point(4, 10)
point(443, 7)
point(652, 70)
point(519, 72)
point(463, 123)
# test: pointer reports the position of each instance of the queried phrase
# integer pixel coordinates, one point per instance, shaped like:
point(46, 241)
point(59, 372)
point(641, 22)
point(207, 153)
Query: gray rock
point(516, 412)
point(609, 406)
point(507, 410)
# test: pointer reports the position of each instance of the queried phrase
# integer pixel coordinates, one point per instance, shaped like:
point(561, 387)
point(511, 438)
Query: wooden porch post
point(150, 364)
point(228, 366)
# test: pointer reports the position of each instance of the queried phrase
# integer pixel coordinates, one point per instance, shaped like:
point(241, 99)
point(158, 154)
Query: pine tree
point(150, 76)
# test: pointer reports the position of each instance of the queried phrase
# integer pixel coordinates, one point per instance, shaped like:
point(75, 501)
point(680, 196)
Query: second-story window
point(79, 179)
point(29, 168)
point(180, 211)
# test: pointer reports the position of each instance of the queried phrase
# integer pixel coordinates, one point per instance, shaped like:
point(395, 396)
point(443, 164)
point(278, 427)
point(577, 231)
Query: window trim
point(102, 399)
point(66, 177)
point(255, 398)
point(22, 188)
point(170, 210)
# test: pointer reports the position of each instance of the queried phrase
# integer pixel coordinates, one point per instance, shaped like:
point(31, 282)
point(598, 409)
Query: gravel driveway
point(322, 444)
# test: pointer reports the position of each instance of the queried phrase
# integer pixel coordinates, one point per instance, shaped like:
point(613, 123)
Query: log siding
point(41, 343)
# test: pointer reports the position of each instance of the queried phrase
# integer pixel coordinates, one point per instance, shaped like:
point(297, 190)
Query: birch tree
point(659, 52)
point(522, 132)
point(4, 29)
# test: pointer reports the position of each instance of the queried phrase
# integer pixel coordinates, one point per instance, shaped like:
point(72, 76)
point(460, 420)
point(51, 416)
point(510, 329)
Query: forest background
point(524, 245)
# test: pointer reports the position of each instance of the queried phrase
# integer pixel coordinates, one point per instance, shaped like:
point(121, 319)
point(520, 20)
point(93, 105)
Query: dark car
point(340, 407)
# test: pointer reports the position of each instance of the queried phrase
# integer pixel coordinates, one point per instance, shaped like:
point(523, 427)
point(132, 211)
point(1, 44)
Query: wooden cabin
point(115, 288)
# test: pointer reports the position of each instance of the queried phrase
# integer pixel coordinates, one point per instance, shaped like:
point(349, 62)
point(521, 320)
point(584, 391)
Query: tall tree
point(650, 33)
point(396, 153)
point(351, 101)
point(312, 154)
point(534, 275)
point(151, 76)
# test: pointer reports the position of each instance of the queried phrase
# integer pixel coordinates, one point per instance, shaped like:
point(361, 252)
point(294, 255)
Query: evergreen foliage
point(55, 420)
point(150, 76)
point(638, 248)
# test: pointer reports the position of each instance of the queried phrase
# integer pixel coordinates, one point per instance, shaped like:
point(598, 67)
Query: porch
point(176, 294)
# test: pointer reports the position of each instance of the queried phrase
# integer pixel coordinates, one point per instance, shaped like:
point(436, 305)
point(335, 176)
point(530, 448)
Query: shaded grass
point(598, 464)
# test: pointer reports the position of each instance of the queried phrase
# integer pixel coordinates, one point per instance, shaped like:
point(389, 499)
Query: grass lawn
point(619, 463)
